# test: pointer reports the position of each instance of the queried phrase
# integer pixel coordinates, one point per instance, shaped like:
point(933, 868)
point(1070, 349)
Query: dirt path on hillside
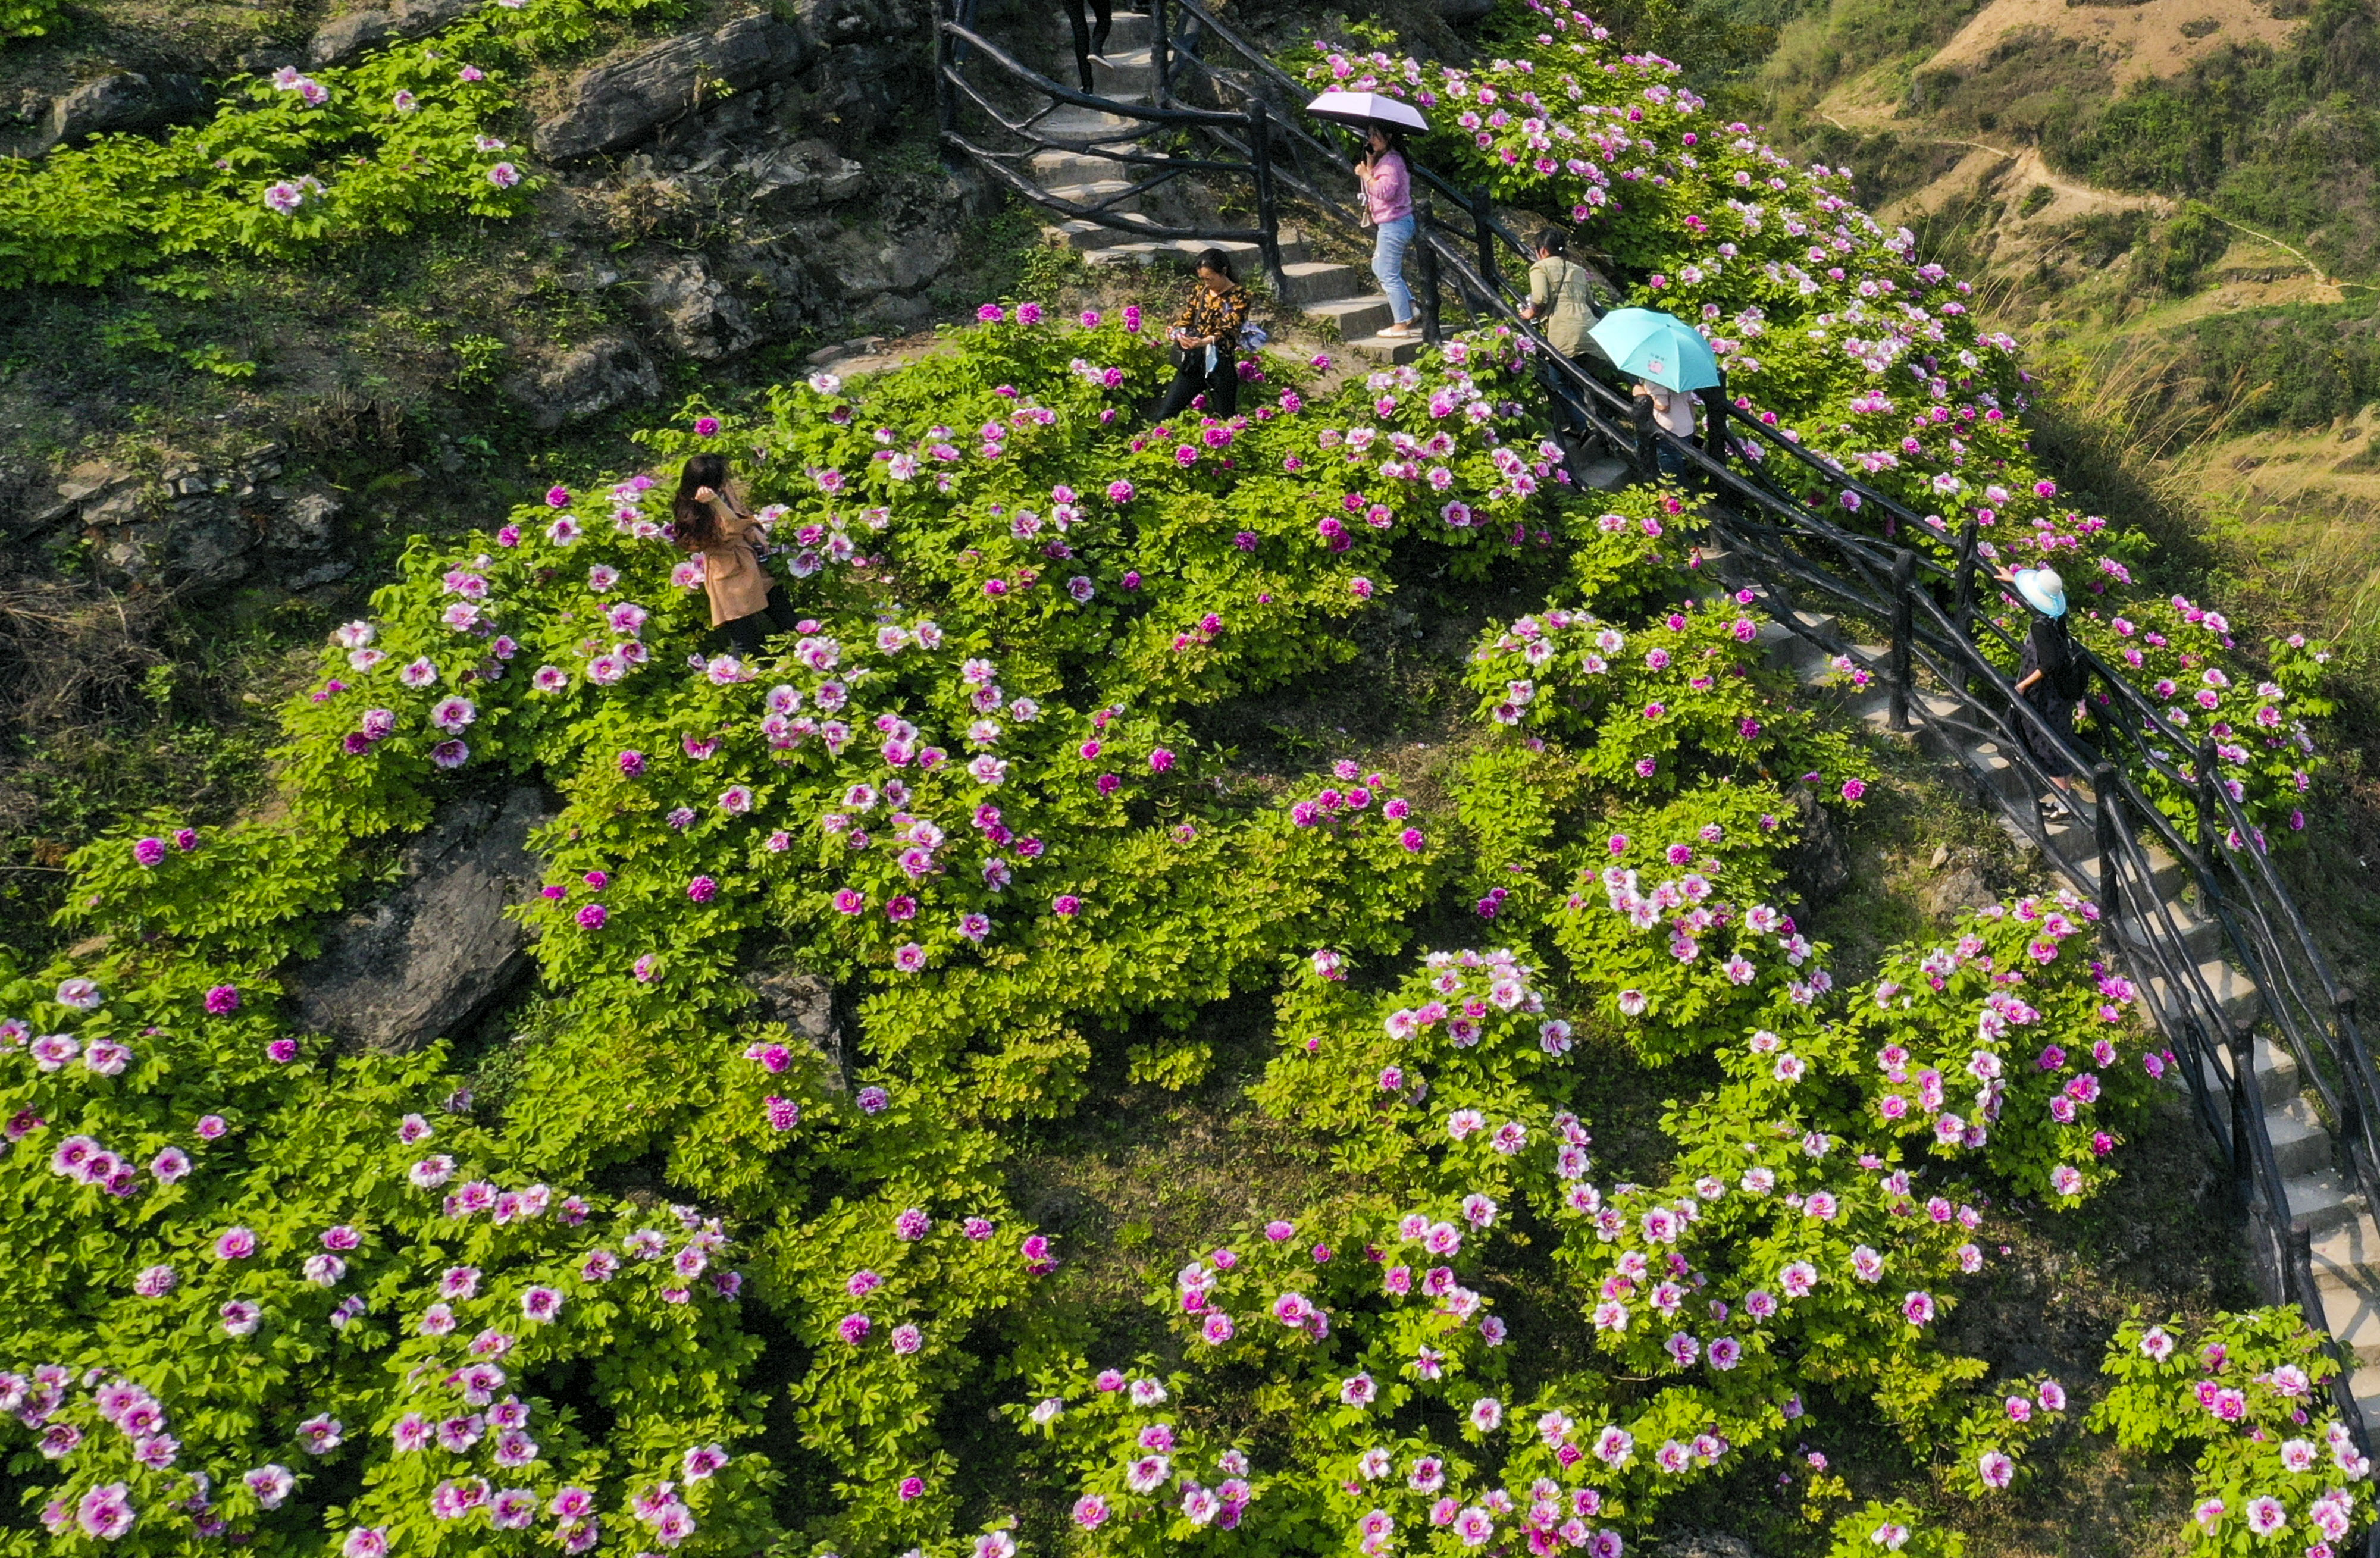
point(2160, 38)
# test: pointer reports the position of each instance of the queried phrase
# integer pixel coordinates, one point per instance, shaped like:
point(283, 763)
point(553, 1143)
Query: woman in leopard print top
point(1206, 332)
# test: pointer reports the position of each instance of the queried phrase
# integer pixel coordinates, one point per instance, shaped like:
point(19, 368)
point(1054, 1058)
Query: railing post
point(1715, 405)
point(2243, 1151)
point(1963, 606)
point(1483, 225)
point(2111, 889)
point(2210, 810)
point(1268, 211)
point(1425, 301)
point(1161, 53)
point(946, 107)
point(1904, 574)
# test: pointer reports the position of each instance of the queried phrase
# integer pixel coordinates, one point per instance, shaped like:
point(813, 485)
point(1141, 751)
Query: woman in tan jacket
point(746, 604)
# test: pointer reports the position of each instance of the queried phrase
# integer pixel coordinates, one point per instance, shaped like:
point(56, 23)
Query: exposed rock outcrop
point(121, 100)
point(437, 953)
point(1819, 864)
point(1705, 1544)
point(607, 372)
point(342, 38)
point(615, 106)
point(804, 1003)
point(700, 317)
point(200, 524)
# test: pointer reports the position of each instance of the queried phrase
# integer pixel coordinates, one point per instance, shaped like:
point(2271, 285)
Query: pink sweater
point(1390, 188)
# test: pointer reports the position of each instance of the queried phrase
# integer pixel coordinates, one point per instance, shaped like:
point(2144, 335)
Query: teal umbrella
point(1658, 347)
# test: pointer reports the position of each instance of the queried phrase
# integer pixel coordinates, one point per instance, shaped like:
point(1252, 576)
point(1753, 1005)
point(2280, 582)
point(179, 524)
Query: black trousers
point(1087, 42)
point(1223, 386)
point(747, 633)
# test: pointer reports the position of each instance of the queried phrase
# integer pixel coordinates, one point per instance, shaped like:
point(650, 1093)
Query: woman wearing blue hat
point(2051, 676)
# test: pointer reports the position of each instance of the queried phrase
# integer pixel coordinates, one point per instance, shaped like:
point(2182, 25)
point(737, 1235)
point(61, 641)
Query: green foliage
point(1824, 323)
point(2251, 1391)
point(27, 19)
point(965, 791)
point(293, 161)
point(2293, 367)
point(2192, 240)
point(1022, 653)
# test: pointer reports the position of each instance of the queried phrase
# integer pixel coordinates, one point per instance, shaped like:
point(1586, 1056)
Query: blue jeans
point(1388, 265)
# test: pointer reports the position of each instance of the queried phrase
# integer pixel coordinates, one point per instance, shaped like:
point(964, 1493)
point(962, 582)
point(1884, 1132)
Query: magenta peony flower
point(222, 1000)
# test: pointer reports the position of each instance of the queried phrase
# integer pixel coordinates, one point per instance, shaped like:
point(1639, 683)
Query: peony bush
point(691, 1284)
point(294, 160)
point(1834, 334)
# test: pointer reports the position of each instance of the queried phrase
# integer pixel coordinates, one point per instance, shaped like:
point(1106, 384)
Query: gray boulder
point(809, 173)
point(844, 22)
point(345, 37)
point(702, 317)
point(616, 105)
point(804, 1003)
point(125, 101)
point(1819, 863)
point(1705, 1544)
point(436, 954)
point(610, 371)
point(304, 523)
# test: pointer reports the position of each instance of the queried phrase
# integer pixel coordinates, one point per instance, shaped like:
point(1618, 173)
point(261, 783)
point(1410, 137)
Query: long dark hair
point(697, 522)
point(2053, 650)
point(1215, 260)
point(1393, 136)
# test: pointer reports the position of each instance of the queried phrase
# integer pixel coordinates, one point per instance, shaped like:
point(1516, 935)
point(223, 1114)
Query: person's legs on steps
point(1389, 267)
point(1080, 26)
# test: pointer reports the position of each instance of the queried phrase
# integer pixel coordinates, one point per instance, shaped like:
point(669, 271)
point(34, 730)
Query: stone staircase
point(1339, 301)
point(2321, 1201)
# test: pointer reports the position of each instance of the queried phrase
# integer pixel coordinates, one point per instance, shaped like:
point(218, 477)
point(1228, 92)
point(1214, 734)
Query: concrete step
point(1384, 349)
point(1602, 476)
point(2321, 1201)
point(1050, 168)
point(2344, 1261)
point(1322, 281)
point(1135, 253)
point(2277, 1082)
point(2204, 937)
point(1125, 75)
point(2365, 1383)
point(2353, 1311)
point(2234, 991)
point(1094, 193)
point(2300, 1143)
point(1088, 123)
point(1353, 318)
point(2000, 776)
point(1089, 236)
point(2166, 871)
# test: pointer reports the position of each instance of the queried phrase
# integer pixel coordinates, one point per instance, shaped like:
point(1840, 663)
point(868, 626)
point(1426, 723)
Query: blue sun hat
point(2043, 590)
